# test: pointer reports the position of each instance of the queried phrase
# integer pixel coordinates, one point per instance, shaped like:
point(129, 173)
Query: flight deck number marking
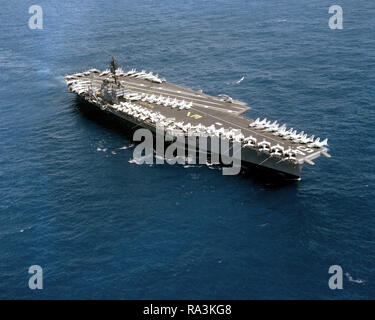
point(195, 116)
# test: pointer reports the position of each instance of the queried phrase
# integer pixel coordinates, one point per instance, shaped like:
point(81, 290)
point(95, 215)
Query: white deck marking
point(238, 125)
point(221, 108)
point(206, 99)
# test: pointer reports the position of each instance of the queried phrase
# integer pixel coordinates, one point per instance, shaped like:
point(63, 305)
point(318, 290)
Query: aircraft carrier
point(141, 98)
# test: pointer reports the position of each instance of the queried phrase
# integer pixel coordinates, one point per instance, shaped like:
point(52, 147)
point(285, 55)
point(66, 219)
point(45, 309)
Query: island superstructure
point(144, 99)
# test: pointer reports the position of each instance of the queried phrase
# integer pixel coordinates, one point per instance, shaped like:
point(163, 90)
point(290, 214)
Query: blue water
point(103, 227)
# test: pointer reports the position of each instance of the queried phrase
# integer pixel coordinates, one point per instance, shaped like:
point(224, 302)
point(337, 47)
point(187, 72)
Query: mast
point(112, 67)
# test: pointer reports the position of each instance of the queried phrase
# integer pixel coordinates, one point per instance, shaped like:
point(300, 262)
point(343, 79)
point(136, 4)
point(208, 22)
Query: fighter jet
point(318, 144)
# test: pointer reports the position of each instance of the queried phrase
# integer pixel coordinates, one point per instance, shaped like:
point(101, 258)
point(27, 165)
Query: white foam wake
point(350, 278)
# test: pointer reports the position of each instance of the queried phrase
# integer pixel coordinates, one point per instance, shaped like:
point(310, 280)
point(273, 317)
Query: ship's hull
point(251, 159)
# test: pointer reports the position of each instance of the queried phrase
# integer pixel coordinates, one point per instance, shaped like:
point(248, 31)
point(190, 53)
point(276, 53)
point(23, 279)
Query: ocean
point(101, 226)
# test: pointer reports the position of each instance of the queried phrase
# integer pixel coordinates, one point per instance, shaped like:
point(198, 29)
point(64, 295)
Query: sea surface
point(75, 202)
